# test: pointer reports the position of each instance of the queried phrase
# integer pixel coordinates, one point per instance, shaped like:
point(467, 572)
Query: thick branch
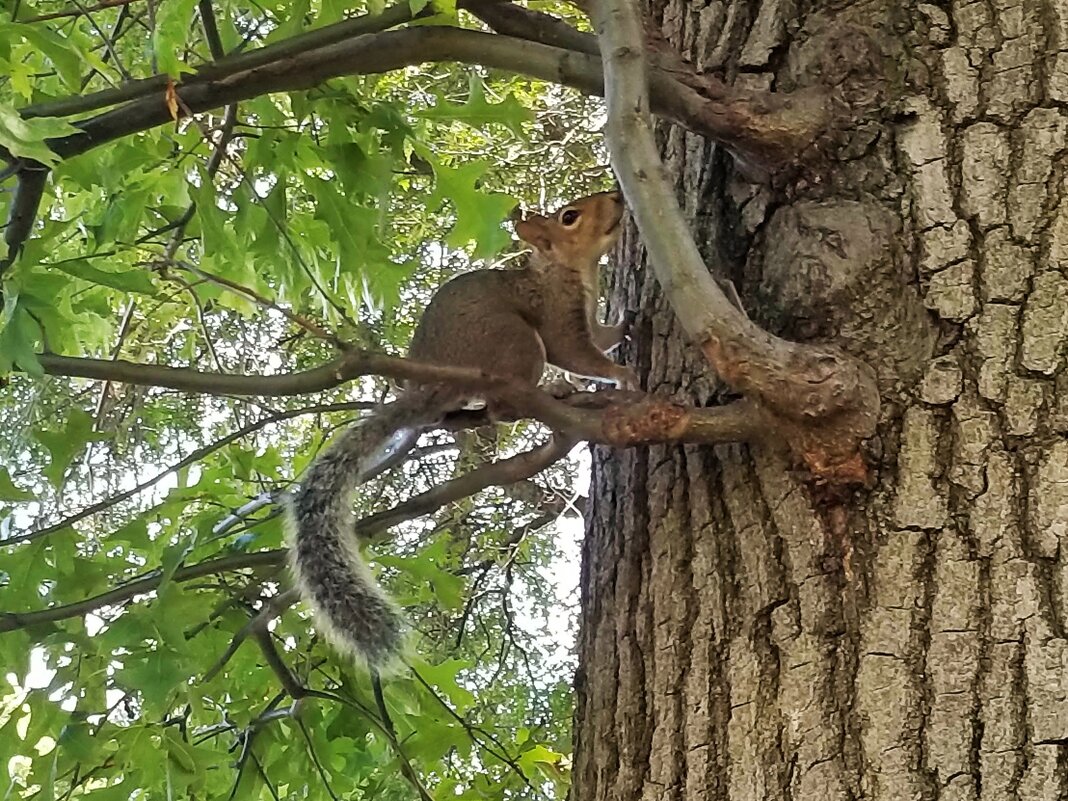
point(523, 23)
point(771, 129)
point(29, 190)
point(825, 401)
point(346, 29)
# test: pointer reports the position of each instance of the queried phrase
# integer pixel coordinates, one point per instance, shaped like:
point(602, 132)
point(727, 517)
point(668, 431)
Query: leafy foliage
point(248, 241)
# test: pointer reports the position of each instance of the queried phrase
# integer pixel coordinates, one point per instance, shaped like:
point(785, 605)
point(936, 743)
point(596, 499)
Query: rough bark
point(747, 636)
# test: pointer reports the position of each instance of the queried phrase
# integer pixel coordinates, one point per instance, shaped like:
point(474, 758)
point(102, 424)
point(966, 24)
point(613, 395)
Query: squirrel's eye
point(569, 217)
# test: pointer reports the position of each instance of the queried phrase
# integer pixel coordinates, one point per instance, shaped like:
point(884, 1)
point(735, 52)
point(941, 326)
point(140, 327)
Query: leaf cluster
point(253, 241)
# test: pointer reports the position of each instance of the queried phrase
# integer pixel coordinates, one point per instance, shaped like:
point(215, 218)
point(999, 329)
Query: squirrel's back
point(487, 320)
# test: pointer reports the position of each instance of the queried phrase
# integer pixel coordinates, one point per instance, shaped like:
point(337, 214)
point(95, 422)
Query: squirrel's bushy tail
point(349, 607)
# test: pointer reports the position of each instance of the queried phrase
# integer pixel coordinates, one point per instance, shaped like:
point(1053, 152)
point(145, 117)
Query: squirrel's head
point(578, 233)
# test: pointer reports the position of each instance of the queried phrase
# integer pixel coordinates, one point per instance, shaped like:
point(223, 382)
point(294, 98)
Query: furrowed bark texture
point(746, 636)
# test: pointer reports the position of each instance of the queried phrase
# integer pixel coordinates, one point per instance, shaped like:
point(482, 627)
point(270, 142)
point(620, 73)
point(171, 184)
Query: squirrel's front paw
point(627, 379)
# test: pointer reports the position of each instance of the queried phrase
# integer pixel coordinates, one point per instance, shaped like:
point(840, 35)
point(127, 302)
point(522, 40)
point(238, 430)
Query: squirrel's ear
point(535, 232)
point(516, 215)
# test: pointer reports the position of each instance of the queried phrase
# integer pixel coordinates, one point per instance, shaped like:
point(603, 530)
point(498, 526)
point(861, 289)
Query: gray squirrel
point(505, 322)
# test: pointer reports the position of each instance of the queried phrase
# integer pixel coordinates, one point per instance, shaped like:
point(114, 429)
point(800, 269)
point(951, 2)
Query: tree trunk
point(745, 636)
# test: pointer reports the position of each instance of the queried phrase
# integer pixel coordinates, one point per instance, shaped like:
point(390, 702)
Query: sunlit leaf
point(28, 138)
point(478, 112)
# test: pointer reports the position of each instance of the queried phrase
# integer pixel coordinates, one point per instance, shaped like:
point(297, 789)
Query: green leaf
point(64, 55)
point(27, 138)
point(478, 214)
point(156, 675)
point(531, 759)
point(138, 281)
point(75, 740)
point(18, 345)
point(64, 445)
point(170, 34)
point(447, 587)
point(443, 677)
point(478, 113)
point(9, 492)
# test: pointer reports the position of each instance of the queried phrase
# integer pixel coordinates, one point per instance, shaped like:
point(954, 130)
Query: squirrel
point(507, 322)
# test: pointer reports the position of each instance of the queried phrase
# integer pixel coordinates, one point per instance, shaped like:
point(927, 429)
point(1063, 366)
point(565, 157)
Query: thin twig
point(124, 331)
point(272, 608)
point(311, 327)
point(192, 458)
point(87, 13)
point(391, 732)
point(501, 753)
point(259, 560)
point(505, 471)
point(106, 4)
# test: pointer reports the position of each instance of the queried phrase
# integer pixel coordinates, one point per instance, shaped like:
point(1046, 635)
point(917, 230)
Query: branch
point(192, 458)
point(76, 12)
point(10, 621)
point(260, 299)
point(272, 608)
point(523, 23)
point(391, 732)
point(32, 177)
point(770, 128)
point(499, 473)
point(611, 418)
point(285, 676)
point(501, 753)
point(351, 365)
point(346, 29)
point(211, 29)
point(820, 400)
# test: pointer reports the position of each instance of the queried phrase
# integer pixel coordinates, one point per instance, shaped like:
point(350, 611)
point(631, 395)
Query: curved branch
point(822, 401)
point(771, 128)
point(192, 458)
point(10, 621)
point(132, 90)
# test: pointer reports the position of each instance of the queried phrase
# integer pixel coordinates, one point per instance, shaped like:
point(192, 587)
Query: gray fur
point(509, 322)
point(349, 607)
